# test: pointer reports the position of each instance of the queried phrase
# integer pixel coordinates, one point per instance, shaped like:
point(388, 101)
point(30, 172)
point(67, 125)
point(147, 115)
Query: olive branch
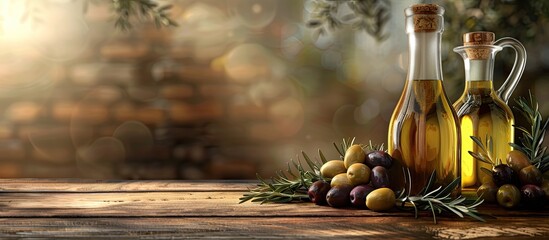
point(126, 12)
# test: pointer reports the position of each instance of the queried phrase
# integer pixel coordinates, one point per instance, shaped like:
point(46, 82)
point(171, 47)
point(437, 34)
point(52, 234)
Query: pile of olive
point(514, 183)
point(361, 180)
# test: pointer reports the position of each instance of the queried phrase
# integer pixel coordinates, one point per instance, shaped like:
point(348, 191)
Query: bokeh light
point(205, 29)
point(255, 14)
point(248, 63)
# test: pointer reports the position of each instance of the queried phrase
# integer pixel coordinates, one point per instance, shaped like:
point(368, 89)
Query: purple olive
point(503, 174)
point(339, 196)
point(358, 195)
point(317, 192)
point(532, 196)
point(378, 158)
point(379, 177)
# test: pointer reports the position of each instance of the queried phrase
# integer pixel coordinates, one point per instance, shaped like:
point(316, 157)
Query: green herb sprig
point(344, 145)
point(531, 141)
point(485, 153)
point(283, 188)
point(292, 185)
point(438, 200)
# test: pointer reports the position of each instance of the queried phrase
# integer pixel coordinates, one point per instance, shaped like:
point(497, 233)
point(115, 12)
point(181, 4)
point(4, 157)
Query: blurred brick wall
point(138, 106)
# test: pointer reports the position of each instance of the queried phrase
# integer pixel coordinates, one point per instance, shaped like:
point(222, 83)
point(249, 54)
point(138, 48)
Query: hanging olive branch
point(148, 10)
point(370, 16)
point(126, 12)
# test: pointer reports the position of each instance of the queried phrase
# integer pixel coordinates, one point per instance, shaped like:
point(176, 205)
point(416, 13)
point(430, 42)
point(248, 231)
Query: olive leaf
point(371, 16)
point(129, 10)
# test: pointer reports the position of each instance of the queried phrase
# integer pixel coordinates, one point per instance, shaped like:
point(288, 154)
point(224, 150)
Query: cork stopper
point(478, 39)
point(425, 17)
point(426, 9)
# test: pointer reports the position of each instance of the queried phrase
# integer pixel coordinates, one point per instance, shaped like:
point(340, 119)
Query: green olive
point(487, 179)
point(381, 199)
point(508, 196)
point(354, 154)
point(530, 175)
point(488, 192)
point(358, 174)
point(340, 180)
point(517, 160)
point(332, 168)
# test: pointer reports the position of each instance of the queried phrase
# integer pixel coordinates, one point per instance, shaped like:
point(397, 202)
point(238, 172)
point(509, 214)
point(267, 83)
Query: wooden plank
point(177, 204)
point(138, 204)
point(270, 228)
point(97, 186)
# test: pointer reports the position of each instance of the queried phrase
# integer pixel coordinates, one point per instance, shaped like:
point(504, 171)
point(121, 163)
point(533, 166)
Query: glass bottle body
point(424, 131)
point(482, 114)
point(424, 134)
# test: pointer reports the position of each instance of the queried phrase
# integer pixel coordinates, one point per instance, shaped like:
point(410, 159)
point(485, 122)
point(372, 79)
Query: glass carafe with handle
point(483, 111)
point(424, 129)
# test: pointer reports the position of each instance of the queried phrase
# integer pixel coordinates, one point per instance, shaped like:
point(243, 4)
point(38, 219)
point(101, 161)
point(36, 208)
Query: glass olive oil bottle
point(482, 111)
point(424, 132)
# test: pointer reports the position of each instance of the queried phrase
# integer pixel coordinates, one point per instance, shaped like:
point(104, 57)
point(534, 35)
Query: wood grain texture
point(100, 186)
point(87, 209)
point(150, 204)
point(178, 204)
point(266, 228)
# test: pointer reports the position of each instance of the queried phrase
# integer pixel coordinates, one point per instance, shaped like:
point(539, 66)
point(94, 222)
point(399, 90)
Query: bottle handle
point(507, 88)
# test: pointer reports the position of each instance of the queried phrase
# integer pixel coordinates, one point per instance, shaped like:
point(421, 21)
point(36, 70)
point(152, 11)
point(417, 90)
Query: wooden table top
point(65, 208)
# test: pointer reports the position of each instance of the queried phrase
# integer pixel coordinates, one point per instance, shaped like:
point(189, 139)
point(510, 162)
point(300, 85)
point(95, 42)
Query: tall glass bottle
point(424, 132)
point(482, 111)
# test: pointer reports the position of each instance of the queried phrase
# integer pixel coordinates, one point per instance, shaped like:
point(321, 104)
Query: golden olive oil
point(482, 114)
point(424, 134)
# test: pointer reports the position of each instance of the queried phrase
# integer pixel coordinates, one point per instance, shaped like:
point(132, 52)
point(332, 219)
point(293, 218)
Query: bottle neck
point(479, 70)
point(425, 63)
point(479, 76)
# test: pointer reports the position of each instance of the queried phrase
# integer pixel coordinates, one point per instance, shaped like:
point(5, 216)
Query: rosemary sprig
point(438, 200)
point(345, 144)
point(531, 141)
point(485, 153)
point(373, 147)
point(289, 186)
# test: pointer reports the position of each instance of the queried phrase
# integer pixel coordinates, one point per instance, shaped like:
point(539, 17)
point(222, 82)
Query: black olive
point(317, 192)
